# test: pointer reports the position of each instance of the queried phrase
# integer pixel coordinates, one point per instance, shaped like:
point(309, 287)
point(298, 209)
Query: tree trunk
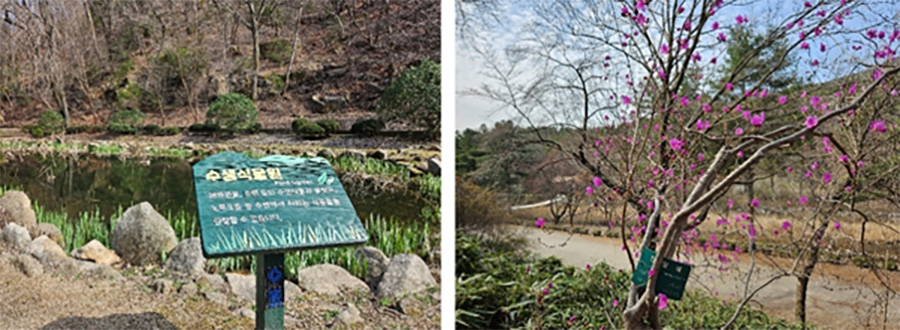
point(800, 298)
point(255, 32)
point(287, 78)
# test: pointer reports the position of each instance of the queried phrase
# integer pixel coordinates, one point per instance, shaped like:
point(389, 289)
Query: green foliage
point(84, 129)
point(206, 127)
point(415, 97)
point(297, 123)
point(234, 112)
point(129, 96)
point(276, 83)
point(330, 126)
point(311, 130)
point(126, 121)
point(744, 40)
point(123, 69)
point(468, 151)
point(367, 127)
point(499, 287)
point(50, 122)
point(278, 51)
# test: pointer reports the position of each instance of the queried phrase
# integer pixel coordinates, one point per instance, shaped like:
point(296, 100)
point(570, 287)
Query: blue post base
point(270, 291)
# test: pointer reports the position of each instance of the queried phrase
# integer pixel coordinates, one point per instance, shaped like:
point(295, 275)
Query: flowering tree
point(668, 120)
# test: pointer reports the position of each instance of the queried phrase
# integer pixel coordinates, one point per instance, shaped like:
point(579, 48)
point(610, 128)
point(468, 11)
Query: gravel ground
point(57, 301)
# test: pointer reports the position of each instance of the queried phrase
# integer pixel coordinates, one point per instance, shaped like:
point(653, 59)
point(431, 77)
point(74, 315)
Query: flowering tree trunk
point(665, 134)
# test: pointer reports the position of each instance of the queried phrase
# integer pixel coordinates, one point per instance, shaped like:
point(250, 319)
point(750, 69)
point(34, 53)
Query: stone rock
point(96, 252)
point(246, 312)
point(434, 166)
point(18, 206)
point(329, 280)
point(162, 285)
point(377, 264)
point(187, 257)
point(378, 154)
point(15, 236)
point(244, 286)
point(46, 251)
point(141, 234)
point(406, 274)
point(51, 231)
point(410, 305)
point(216, 297)
point(348, 315)
point(327, 103)
point(95, 270)
point(358, 155)
point(27, 265)
point(189, 289)
point(211, 283)
point(326, 153)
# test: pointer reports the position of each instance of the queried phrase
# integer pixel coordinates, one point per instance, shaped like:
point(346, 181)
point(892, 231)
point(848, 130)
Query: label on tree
point(672, 277)
point(274, 204)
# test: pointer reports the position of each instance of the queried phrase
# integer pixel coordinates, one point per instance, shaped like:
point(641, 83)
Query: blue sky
point(473, 111)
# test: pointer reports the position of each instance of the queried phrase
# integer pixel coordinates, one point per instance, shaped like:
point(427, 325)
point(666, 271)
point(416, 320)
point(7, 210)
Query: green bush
point(415, 98)
point(278, 51)
point(50, 122)
point(312, 130)
point(367, 127)
point(129, 96)
point(297, 123)
point(83, 129)
point(234, 112)
point(330, 126)
point(151, 129)
point(126, 121)
point(169, 131)
point(206, 127)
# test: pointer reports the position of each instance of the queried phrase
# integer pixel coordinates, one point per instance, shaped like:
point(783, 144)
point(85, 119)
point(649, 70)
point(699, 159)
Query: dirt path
point(837, 296)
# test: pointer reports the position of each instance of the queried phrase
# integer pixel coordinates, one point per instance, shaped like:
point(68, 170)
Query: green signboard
point(267, 207)
point(273, 204)
point(671, 279)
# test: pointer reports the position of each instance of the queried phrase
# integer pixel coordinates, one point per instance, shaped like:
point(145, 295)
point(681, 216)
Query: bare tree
point(252, 19)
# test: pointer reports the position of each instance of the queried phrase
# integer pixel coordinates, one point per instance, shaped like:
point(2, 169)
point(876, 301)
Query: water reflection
point(77, 184)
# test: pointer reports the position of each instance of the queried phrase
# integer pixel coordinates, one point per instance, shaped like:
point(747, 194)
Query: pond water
point(77, 184)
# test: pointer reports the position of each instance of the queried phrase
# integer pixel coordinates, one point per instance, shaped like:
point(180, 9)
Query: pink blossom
point(837, 225)
point(802, 200)
point(589, 190)
point(852, 89)
point(740, 153)
point(664, 49)
point(730, 203)
point(754, 203)
point(715, 26)
point(616, 303)
point(878, 126)
point(700, 157)
point(663, 301)
point(786, 225)
point(729, 86)
point(844, 158)
point(539, 222)
point(676, 144)
point(757, 119)
point(739, 131)
point(812, 121)
point(804, 45)
point(826, 178)
point(701, 125)
point(722, 37)
point(597, 181)
point(782, 99)
point(626, 100)
point(588, 266)
point(650, 273)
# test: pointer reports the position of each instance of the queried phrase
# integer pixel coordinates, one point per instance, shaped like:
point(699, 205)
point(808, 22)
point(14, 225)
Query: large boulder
point(244, 286)
point(434, 166)
point(141, 234)
point(18, 206)
point(406, 274)
point(376, 262)
point(96, 252)
point(329, 280)
point(187, 257)
point(15, 236)
point(46, 251)
point(51, 231)
point(95, 270)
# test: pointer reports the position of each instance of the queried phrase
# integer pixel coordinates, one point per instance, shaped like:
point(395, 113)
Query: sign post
point(672, 276)
point(267, 207)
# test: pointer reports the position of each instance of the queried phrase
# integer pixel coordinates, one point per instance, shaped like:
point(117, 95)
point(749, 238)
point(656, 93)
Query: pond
point(78, 184)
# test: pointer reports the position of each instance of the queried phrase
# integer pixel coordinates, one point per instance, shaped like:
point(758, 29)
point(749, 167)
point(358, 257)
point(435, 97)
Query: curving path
point(837, 297)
